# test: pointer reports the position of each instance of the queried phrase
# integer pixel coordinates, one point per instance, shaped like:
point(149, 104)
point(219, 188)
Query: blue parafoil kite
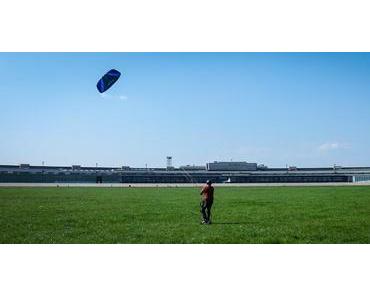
point(108, 80)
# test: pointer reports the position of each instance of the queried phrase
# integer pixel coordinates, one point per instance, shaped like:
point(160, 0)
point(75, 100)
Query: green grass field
point(171, 215)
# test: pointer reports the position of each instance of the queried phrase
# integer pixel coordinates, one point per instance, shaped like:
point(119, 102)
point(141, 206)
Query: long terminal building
point(218, 172)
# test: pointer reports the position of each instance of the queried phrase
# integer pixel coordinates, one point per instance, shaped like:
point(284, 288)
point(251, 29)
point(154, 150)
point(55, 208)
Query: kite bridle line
point(190, 178)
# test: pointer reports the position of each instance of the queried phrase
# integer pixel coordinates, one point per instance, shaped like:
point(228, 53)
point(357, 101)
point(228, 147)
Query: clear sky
point(302, 109)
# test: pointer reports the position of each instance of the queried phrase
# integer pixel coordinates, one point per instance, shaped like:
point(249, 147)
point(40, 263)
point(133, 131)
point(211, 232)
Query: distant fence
point(361, 178)
point(292, 179)
point(151, 177)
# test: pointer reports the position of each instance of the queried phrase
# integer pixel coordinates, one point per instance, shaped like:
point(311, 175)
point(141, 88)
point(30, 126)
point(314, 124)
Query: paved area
point(117, 185)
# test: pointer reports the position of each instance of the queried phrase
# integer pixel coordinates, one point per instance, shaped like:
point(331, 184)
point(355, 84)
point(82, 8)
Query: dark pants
point(205, 209)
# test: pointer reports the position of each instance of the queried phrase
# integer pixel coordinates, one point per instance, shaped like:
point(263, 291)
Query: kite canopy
point(108, 80)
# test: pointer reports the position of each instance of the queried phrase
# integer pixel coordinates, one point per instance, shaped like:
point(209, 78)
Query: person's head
point(209, 182)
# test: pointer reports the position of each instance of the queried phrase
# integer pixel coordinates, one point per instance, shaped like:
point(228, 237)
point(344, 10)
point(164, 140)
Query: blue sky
point(302, 109)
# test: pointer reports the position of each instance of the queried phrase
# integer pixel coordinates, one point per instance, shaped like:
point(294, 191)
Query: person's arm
point(205, 190)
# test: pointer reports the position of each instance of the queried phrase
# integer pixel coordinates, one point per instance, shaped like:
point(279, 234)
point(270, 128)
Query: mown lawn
point(171, 215)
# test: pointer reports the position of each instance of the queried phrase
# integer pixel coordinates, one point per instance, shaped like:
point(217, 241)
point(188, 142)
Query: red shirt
point(207, 192)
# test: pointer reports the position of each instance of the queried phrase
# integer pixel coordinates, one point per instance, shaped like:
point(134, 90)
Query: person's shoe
point(203, 222)
point(208, 223)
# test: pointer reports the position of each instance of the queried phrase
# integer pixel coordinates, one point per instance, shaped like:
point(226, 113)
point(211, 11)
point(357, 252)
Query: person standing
point(206, 202)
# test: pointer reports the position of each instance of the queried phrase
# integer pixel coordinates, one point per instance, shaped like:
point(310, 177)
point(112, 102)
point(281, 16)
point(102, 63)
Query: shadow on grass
point(230, 223)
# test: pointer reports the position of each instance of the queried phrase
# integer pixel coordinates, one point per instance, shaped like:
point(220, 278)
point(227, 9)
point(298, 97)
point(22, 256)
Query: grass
point(171, 215)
